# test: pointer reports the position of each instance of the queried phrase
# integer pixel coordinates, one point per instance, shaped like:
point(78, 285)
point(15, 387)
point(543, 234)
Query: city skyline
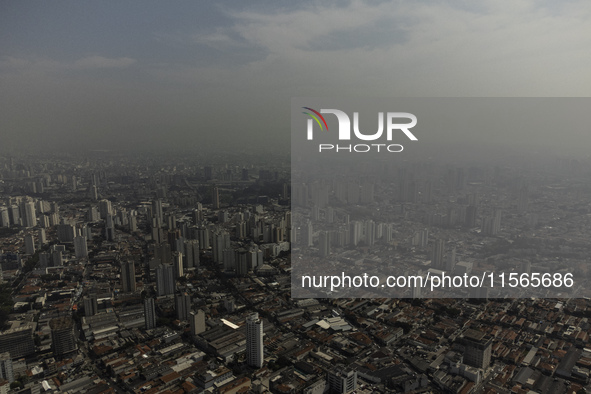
point(154, 320)
point(171, 222)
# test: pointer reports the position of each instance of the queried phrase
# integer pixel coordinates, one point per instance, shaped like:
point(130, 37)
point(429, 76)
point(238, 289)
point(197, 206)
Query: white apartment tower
point(254, 341)
point(197, 321)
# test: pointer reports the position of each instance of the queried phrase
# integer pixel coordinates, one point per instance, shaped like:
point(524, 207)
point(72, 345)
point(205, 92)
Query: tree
point(6, 303)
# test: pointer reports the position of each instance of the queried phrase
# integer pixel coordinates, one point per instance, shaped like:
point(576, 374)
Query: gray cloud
point(104, 62)
point(238, 77)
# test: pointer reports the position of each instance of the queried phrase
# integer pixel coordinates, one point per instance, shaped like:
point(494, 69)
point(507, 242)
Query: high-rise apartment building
point(157, 212)
point(192, 253)
point(177, 261)
point(29, 244)
point(477, 348)
point(18, 341)
point(4, 218)
point(80, 247)
point(221, 242)
point(342, 380)
point(150, 313)
point(57, 258)
point(65, 232)
point(437, 254)
point(29, 215)
point(197, 321)
point(105, 208)
point(41, 236)
point(215, 197)
point(90, 305)
point(165, 282)
point(254, 341)
point(63, 339)
point(182, 303)
point(6, 371)
point(128, 276)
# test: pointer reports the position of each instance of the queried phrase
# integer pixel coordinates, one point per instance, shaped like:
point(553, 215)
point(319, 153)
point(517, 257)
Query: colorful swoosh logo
point(316, 117)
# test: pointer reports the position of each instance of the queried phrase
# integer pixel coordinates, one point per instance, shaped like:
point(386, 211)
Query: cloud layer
point(169, 84)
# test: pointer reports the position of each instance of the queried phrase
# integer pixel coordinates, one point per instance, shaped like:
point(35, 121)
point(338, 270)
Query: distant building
point(105, 208)
point(342, 380)
point(197, 321)
point(80, 247)
point(110, 228)
point(6, 371)
point(192, 254)
point(477, 349)
point(471, 216)
point(150, 313)
point(221, 242)
point(229, 304)
point(163, 252)
point(421, 238)
point(15, 215)
point(157, 211)
point(132, 221)
point(203, 236)
point(29, 244)
point(182, 303)
point(90, 305)
point(44, 260)
point(128, 276)
point(165, 283)
point(28, 214)
point(215, 197)
point(479, 292)
point(437, 254)
point(324, 244)
point(93, 193)
point(177, 261)
point(56, 258)
point(451, 260)
point(65, 232)
point(415, 290)
point(93, 214)
point(41, 236)
point(254, 341)
point(492, 225)
point(63, 339)
point(242, 262)
point(18, 341)
point(4, 218)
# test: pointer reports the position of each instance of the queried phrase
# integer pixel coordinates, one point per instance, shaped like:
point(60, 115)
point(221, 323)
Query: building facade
point(254, 341)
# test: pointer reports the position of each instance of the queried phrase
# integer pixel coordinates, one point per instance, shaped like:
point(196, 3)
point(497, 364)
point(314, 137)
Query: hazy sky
point(111, 74)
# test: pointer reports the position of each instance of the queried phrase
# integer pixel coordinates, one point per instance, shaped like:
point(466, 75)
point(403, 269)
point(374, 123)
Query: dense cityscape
point(295, 197)
point(172, 274)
